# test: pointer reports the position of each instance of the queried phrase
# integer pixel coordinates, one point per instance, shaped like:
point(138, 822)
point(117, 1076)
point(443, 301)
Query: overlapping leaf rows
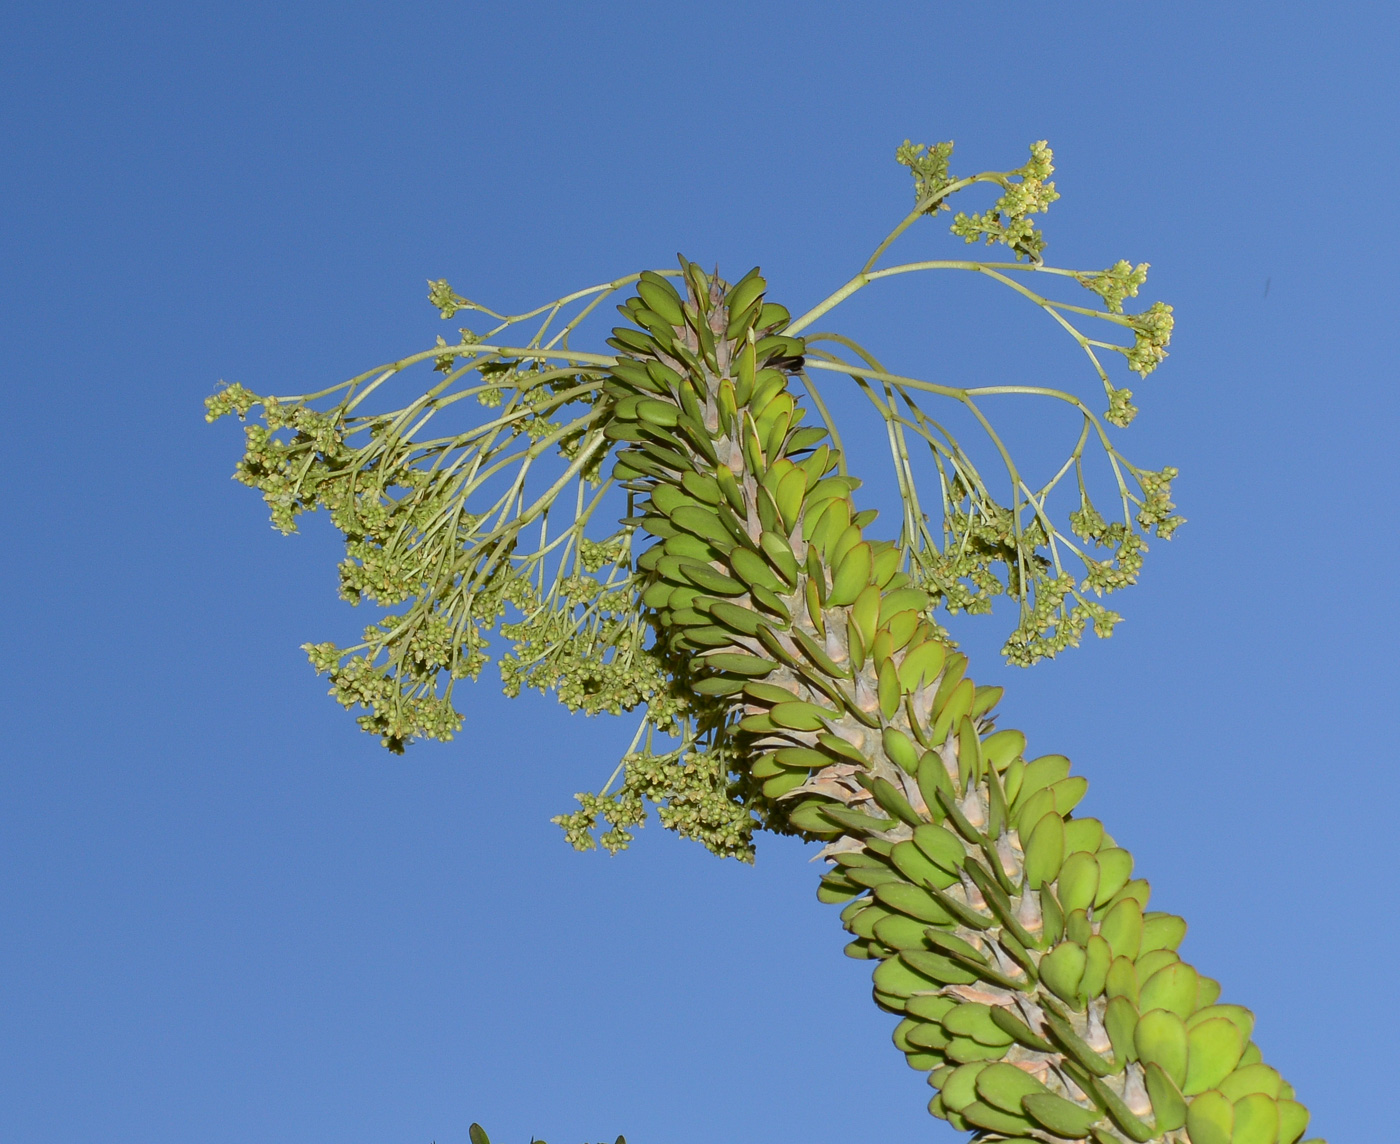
point(1043, 998)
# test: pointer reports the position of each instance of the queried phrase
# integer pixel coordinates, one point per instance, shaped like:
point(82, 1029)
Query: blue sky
point(227, 916)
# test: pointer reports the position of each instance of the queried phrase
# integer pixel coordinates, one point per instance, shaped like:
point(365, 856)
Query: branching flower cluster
point(510, 536)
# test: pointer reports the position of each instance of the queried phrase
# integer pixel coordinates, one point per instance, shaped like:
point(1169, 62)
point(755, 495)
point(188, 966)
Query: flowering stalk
point(800, 663)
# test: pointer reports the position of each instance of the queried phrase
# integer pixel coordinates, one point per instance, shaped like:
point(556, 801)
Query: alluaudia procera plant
point(798, 664)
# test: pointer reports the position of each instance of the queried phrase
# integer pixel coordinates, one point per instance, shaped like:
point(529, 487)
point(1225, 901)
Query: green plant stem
point(827, 717)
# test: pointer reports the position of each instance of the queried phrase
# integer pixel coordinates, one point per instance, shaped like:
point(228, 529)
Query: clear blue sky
point(227, 916)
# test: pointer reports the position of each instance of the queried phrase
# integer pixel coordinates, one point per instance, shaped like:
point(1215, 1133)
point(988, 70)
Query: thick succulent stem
point(1036, 989)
